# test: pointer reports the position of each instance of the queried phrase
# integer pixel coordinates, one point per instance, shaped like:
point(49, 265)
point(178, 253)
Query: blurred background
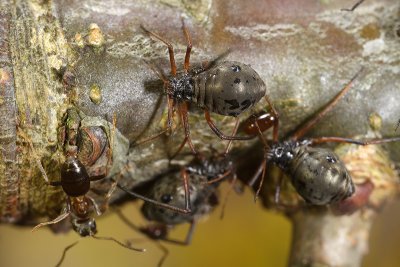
point(248, 235)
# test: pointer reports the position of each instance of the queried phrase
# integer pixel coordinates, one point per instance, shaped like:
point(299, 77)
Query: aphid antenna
point(353, 7)
point(208, 65)
point(168, 44)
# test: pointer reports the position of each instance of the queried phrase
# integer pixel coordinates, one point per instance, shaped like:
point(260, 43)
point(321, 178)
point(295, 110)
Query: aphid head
point(170, 190)
point(282, 154)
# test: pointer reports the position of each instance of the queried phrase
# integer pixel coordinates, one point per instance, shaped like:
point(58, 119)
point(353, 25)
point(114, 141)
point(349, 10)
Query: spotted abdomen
point(319, 176)
point(229, 88)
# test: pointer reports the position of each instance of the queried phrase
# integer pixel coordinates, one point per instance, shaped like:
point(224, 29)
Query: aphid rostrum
point(223, 87)
point(318, 174)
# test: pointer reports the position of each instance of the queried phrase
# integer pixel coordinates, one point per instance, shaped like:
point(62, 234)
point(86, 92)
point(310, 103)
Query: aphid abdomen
point(203, 97)
point(319, 176)
point(228, 88)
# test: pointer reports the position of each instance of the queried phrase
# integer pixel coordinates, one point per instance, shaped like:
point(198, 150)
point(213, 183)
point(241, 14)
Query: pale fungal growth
point(95, 37)
point(95, 94)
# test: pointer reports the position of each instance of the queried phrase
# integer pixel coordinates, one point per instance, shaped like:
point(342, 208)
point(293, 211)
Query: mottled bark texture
point(91, 56)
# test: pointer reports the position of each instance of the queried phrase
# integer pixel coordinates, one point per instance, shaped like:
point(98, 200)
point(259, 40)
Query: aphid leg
point(185, 178)
point(188, 238)
point(219, 133)
point(397, 127)
point(152, 201)
point(317, 117)
point(178, 150)
point(278, 188)
point(107, 238)
point(229, 145)
point(188, 48)
point(260, 134)
point(170, 49)
point(65, 252)
point(189, 235)
point(162, 76)
point(261, 181)
point(219, 177)
point(209, 64)
point(168, 128)
point(143, 231)
point(182, 109)
point(276, 120)
point(320, 140)
point(165, 254)
point(353, 7)
point(155, 136)
point(232, 184)
point(111, 144)
point(65, 214)
point(261, 170)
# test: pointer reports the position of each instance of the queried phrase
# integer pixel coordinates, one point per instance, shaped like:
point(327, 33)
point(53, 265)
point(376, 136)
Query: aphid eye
point(330, 159)
point(166, 198)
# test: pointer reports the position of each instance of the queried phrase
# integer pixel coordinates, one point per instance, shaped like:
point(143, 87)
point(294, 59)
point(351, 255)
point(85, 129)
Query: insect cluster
point(188, 192)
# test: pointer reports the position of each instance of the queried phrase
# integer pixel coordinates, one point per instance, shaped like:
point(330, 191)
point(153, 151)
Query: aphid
point(317, 173)
point(227, 88)
point(353, 7)
point(205, 175)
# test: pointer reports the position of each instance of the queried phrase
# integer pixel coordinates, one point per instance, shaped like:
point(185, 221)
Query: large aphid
point(223, 87)
point(317, 173)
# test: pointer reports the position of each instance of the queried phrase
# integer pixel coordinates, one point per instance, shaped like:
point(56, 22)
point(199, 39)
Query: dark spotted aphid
point(168, 189)
point(318, 174)
point(227, 88)
point(205, 175)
